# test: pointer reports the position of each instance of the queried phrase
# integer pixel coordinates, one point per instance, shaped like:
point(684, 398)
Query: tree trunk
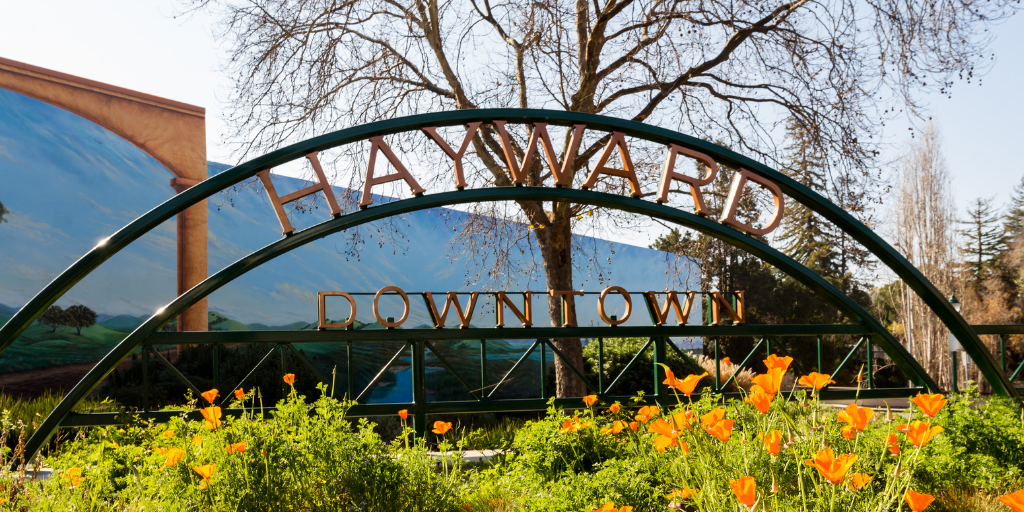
point(556, 250)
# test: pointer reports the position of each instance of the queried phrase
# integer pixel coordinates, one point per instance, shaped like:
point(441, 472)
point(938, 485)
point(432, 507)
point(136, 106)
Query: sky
point(141, 45)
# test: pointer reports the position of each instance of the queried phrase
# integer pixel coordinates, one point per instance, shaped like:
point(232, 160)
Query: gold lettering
point(739, 182)
point(625, 295)
point(322, 299)
point(719, 301)
point(456, 156)
point(668, 174)
point(405, 312)
point(566, 294)
point(502, 300)
point(560, 172)
point(279, 202)
point(401, 173)
point(452, 299)
point(660, 315)
point(618, 140)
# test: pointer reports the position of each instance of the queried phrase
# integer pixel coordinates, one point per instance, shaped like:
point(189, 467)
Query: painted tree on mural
point(727, 71)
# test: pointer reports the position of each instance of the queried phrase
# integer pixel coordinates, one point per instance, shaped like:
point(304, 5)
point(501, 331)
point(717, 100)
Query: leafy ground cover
point(762, 453)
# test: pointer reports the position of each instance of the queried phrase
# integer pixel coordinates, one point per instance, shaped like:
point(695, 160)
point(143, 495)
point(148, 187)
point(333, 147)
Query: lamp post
point(954, 345)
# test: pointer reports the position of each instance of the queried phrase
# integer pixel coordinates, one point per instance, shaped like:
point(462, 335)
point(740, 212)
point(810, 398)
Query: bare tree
point(722, 70)
point(924, 229)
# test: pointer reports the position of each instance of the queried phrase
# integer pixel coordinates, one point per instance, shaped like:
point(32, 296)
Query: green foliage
point(982, 446)
point(618, 352)
point(309, 456)
point(25, 414)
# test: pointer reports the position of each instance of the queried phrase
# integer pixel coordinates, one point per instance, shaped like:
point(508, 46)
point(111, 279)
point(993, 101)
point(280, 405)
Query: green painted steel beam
point(808, 278)
point(999, 329)
point(804, 195)
point(507, 333)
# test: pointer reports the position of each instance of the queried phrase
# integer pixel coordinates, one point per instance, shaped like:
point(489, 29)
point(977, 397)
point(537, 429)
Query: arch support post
point(192, 257)
point(172, 132)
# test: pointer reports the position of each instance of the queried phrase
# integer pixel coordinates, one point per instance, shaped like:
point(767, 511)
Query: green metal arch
point(816, 283)
point(888, 255)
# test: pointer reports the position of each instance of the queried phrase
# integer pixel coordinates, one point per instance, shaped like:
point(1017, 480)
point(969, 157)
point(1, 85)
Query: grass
point(27, 413)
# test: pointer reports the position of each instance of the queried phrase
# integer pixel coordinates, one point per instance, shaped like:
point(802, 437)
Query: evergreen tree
point(1013, 221)
point(984, 239)
point(3, 211)
point(805, 236)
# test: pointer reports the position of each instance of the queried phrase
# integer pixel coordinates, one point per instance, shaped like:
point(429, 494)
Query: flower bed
point(762, 453)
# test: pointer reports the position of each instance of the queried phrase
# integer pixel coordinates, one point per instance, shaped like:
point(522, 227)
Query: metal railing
point(418, 343)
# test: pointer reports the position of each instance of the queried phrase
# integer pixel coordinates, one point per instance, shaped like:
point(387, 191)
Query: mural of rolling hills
point(69, 183)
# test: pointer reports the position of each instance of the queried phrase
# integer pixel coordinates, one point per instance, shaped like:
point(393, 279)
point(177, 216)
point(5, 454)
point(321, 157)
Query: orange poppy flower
point(929, 404)
point(916, 501)
point(775, 361)
point(856, 417)
point(892, 443)
point(236, 448)
point(467, 507)
point(441, 427)
point(687, 385)
point(173, 456)
point(857, 480)
point(159, 450)
point(1015, 501)
point(920, 432)
point(617, 426)
point(614, 409)
point(169, 433)
point(816, 380)
point(773, 442)
point(239, 393)
point(289, 378)
point(682, 420)
point(634, 425)
point(849, 433)
point(761, 401)
point(832, 468)
point(590, 400)
point(404, 414)
point(197, 439)
point(670, 378)
point(73, 477)
point(205, 471)
point(212, 416)
point(770, 382)
point(610, 507)
point(667, 437)
point(681, 494)
point(646, 413)
point(714, 423)
point(211, 395)
point(726, 361)
point(745, 490)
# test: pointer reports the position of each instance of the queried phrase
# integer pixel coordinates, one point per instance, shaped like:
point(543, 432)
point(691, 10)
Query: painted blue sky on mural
point(69, 183)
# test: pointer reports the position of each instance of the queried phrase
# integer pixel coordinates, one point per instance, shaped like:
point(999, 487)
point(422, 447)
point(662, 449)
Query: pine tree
point(1013, 221)
point(805, 236)
point(984, 239)
point(3, 211)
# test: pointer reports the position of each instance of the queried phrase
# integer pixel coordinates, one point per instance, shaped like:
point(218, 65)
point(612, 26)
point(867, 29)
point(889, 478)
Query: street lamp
point(954, 344)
